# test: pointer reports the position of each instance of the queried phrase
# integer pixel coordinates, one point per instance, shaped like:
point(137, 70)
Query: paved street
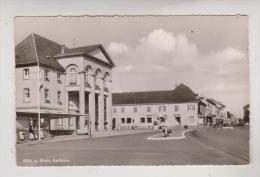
point(199, 147)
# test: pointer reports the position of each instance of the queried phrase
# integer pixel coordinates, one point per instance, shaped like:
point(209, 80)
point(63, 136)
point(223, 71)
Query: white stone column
point(66, 102)
point(82, 101)
point(91, 104)
point(101, 105)
point(109, 105)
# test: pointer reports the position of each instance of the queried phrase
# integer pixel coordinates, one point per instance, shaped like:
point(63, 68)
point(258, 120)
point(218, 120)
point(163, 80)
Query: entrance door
point(113, 123)
point(77, 123)
point(178, 119)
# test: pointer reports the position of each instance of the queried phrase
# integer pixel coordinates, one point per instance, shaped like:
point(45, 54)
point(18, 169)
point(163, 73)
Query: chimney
point(63, 49)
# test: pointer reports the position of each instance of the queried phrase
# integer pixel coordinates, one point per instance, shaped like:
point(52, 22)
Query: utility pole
point(89, 124)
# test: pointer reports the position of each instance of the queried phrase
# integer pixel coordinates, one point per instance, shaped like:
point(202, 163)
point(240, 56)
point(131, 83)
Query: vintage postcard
point(132, 90)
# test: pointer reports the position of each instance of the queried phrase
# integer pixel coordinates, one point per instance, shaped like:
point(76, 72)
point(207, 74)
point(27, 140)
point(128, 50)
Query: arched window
point(73, 76)
point(88, 72)
point(106, 82)
point(98, 79)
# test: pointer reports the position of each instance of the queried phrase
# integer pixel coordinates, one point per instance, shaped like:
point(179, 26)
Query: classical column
point(109, 105)
point(82, 101)
point(91, 103)
point(101, 105)
point(66, 102)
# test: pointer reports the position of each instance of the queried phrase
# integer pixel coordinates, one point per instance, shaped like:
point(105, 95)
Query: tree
point(246, 113)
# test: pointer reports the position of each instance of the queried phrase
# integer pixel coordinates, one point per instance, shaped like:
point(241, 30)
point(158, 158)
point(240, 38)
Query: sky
point(207, 53)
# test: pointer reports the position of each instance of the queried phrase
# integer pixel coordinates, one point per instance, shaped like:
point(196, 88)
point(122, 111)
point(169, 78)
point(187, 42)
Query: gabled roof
point(218, 103)
point(86, 50)
point(181, 93)
point(202, 102)
point(35, 48)
point(211, 101)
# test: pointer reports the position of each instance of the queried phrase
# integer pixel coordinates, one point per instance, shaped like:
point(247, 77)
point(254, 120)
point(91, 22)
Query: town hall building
point(69, 88)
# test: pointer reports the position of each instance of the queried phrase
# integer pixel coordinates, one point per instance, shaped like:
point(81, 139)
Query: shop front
point(27, 125)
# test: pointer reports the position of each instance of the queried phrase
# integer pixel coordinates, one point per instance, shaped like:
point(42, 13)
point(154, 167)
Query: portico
point(90, 96)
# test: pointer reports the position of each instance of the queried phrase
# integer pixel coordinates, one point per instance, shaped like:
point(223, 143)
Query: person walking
point(31, 131)
point(165, 131)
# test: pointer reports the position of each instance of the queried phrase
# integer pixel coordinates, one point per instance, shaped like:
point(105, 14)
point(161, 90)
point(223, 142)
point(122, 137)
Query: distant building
point(74, 89)
point(215, 111)
point(146, 109)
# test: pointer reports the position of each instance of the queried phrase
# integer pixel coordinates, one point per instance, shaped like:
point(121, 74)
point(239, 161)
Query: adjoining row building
point(178, 107)
point(69, 88)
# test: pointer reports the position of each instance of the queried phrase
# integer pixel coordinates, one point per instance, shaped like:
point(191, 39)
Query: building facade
point(70, 88)
point(176, 107)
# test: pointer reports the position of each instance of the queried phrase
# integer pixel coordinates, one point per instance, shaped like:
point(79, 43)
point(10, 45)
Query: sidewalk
point(97, 134)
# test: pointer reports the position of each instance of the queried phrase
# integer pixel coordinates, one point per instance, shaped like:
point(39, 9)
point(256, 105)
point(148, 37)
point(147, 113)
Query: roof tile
point(181, 93)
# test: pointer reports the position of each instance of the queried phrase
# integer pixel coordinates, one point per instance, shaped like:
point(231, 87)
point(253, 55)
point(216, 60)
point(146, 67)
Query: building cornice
point(41, 64)
point(86, 55)
point(142, 104)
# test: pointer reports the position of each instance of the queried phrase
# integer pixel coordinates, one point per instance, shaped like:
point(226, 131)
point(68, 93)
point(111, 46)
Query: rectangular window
point(58, 77)
point(149, 120)
point(122, 109)
point(148, 109)
point(135, 109)
point(71, 122)
point(142, 120)
point(59, 97)
point(191, 119)
point(128, 120)
point(46, 75)
point(162, 119)
point(114, 110)
point(26, 95)
point(60, 122)
point(105, 109)
point(47, 95)
point(176, 108)
point(162, 108)
point(191, 107)
point(26, 73)
point(123, 120)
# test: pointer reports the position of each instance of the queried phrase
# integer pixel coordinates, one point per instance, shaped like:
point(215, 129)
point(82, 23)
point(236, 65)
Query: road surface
point(198, 148)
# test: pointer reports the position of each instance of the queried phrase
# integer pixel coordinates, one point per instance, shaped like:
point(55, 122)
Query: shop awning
point(48, 115)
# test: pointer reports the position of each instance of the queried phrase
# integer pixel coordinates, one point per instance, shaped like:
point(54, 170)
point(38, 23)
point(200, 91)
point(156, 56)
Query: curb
point(79, 138)
point(169, 138)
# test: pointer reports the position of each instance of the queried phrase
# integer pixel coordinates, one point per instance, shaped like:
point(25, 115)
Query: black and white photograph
point(131, 90)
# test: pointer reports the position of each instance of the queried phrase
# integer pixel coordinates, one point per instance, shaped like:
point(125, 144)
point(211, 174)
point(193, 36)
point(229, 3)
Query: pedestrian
point(21, 136)
point(31, 131)
point(165, 131)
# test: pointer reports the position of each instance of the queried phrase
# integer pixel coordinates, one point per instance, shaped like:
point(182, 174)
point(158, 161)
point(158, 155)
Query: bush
point(186, 126)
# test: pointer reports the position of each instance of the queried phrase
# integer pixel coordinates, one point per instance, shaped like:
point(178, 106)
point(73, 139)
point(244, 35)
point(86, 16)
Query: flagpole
point(38, 88)
point(39, 113)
